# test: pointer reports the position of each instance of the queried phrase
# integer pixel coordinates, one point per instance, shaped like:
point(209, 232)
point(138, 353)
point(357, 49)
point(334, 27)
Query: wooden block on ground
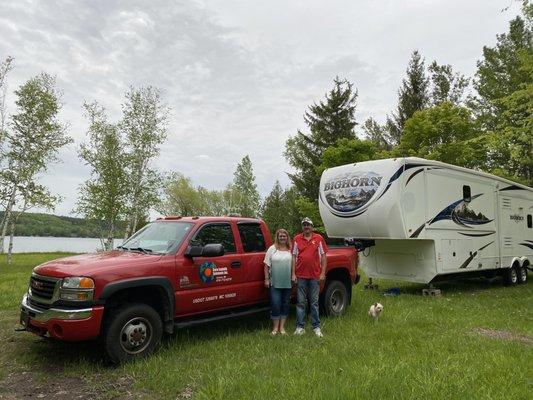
point(431, 292)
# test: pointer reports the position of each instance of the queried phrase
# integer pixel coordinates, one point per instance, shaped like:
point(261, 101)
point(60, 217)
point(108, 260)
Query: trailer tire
point(335, 299)
point(522, 274)
point(510, 276)
point(131, 331)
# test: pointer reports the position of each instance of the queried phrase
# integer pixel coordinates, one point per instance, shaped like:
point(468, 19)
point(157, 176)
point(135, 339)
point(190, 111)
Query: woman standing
point(278, 267)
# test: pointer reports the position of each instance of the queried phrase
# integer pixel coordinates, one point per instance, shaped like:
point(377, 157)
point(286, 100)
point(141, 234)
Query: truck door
point(253, 253)
point(207, 284)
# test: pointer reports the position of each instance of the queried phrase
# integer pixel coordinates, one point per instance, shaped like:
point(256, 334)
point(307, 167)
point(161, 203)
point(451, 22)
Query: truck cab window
point(216, 233)
point(252, 238)
point(467, 194)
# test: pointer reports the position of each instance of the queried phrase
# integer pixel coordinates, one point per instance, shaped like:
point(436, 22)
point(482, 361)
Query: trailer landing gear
point(370, 285)
point(431, 291)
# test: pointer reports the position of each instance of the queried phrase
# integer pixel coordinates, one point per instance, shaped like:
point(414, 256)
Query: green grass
point(421, 348)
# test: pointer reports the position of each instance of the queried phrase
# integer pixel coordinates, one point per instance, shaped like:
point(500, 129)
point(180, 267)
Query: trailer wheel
point(131, 331)
point(335, 299)
point(522, 274)
point(510, 276)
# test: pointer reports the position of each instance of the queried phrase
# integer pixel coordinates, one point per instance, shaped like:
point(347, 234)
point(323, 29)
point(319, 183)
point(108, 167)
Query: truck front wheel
point(335, 299)
point(131, 331)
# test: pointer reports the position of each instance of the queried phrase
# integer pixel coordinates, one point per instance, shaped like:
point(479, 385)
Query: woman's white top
point(280, 262)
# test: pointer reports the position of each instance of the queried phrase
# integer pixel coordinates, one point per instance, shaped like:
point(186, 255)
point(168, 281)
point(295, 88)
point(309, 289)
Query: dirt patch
point(505, 335)
point(25, 385)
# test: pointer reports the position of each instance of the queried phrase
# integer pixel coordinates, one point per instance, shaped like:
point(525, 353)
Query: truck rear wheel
point(522, 274)
point(131, 331)
point(510, 276)
point(335, 299)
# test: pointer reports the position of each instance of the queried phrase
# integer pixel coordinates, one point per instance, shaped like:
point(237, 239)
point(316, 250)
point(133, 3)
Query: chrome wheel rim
point(136, 335)
point(523, 274)
point(337, 302)
point(514, 276)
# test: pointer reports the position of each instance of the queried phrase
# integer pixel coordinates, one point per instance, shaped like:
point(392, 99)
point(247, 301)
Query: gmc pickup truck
point(174, 272)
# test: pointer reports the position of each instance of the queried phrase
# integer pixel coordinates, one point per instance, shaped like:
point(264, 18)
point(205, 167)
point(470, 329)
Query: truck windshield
point(161, 237)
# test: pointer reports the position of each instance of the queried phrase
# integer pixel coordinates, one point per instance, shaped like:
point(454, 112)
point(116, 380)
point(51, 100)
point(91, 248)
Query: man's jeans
point(308, 289)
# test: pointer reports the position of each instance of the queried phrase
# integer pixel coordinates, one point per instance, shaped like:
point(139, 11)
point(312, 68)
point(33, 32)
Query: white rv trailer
point(424, 221)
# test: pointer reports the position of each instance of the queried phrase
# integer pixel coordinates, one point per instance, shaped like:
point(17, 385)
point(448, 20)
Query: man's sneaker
point(299, 331)
point(318, 332)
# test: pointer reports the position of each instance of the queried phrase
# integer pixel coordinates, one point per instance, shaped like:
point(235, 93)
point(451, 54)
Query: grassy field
point(475, 342)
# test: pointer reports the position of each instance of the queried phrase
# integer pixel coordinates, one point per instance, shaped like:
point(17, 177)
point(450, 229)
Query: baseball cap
point(307, 221)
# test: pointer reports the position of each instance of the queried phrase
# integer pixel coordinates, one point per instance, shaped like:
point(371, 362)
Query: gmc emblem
point(37, 285)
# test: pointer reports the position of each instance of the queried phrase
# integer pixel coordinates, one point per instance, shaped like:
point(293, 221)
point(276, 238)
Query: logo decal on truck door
point(209, 272)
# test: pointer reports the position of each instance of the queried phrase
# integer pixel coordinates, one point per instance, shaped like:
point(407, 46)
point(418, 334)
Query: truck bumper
point(63, 324)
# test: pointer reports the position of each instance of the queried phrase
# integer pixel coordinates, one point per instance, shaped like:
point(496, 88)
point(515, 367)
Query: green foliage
point(446, 85)
point(501, 71)
point(180, 197)
point(40, 224)
point(445, 133)
point(103, 196)
point(328, 121)
point(244, 190)
point(280, 210)
point(412, 96)
point(144, 127)
point(347, 151)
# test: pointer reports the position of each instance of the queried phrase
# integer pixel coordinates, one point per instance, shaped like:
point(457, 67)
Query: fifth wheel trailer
point(423, 221)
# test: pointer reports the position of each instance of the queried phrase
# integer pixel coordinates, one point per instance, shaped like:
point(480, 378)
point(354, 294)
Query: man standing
point(309, 269)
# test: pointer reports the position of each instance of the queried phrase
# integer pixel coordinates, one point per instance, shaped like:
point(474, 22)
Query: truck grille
point(38, 305)
point(42, 287)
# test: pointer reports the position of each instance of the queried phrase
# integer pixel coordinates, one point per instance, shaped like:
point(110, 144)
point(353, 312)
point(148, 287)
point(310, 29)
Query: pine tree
point(273, 210)
point(328, 121)
point(248, 199)
point(412, 96)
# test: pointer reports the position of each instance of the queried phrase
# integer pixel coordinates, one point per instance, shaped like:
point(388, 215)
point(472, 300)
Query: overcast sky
point(238, 74)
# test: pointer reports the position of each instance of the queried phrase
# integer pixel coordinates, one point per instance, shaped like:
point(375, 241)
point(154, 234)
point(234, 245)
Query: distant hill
point(39, 224)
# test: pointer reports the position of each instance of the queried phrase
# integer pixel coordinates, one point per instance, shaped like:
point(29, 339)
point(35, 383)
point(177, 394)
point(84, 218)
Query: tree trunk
point(127, 230)
point(10, 247)
point(134, 225)
point(7, 218)
point(110, 237)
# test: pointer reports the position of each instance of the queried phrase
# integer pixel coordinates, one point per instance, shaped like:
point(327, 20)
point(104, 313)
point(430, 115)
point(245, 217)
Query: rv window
point(467, 195)
point(529, 221)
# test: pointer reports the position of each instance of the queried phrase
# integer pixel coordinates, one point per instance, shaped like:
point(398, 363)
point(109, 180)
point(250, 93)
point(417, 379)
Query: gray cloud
point(237, 74)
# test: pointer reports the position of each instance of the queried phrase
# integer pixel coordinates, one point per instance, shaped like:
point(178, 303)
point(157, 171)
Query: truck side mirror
point(213, 250)
point(209, 250)
point(193, 251)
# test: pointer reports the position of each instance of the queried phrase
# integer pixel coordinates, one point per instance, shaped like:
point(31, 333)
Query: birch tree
point(144, 125)
point(102, 197)
point(33, 138)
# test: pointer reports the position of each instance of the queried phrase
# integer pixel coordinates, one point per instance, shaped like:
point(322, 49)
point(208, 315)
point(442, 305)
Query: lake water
point(28, 244)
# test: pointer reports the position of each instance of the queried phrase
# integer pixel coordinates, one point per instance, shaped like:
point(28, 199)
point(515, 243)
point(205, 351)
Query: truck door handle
point(235, 264)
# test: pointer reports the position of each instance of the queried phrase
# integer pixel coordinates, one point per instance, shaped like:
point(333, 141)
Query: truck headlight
point(77, 288)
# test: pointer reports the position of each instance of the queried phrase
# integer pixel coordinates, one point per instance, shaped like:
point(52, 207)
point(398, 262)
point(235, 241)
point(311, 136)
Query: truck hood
point(92, 264)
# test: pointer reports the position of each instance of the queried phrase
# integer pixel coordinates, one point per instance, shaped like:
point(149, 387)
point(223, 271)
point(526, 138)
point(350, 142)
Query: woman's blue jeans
point(308, 289)
point(279, 302)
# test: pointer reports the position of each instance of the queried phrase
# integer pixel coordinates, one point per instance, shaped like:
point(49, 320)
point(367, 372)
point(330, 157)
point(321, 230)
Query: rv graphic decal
point(471, 257)
point(347, 194)
point(460, 214)
point(527, 243)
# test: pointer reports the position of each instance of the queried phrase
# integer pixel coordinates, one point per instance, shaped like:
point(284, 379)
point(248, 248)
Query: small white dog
point(375, 310)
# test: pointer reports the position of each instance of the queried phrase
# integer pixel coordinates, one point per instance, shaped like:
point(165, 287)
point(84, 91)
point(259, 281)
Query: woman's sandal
point(283, 332)
point(273, 333)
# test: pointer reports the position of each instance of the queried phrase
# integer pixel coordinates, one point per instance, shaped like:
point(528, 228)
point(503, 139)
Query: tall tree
point(33, 139)
point(446, 133)
point(5, 67)
point(446, 85)
point(103, 196)
point(244, 187)
point(273, 209)
point(412, 96)
point(377, 134)
point(328, 121)
point(144, 124)
point(180, 197)
point(500, 72)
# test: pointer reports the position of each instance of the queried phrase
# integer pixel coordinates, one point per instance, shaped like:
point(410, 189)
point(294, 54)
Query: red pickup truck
point(174, 272)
